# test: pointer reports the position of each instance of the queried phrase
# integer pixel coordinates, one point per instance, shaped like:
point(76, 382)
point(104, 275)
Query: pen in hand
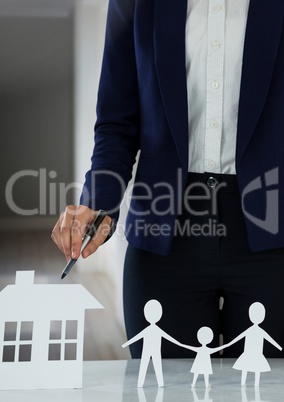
point(90, 233)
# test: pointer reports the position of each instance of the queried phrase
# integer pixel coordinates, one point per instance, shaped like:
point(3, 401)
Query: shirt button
point(216, 45)
point(214, 124)
point(212, 164)
point(215, 85)
point(217, 8)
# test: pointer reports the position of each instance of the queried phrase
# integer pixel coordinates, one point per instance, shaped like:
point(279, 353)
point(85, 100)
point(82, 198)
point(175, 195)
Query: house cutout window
point(17, 342)
point(63, 340)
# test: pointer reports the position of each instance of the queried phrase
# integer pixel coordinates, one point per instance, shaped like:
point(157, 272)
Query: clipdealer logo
point(51, 194)
point(271, 184)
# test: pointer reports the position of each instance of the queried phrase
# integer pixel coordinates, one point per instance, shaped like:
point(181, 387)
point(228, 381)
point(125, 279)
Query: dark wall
point(36, 108)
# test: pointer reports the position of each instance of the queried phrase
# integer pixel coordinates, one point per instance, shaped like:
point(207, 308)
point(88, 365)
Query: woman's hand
point(72, 226)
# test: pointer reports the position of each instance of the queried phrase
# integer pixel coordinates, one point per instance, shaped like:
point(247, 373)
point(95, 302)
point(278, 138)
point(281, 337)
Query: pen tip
point(63, 275)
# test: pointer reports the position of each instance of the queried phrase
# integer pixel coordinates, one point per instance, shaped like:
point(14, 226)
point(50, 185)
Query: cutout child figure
point(152, 339)
point(252, 359)
point(202, 362)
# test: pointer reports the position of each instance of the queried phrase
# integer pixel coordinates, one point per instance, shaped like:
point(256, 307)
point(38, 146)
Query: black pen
point(95, 225)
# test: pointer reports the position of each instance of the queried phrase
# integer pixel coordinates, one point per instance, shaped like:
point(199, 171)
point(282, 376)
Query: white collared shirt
point(215, 31)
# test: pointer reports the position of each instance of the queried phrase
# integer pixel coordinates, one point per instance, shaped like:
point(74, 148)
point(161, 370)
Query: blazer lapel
point(263, 33)
point(169, 45)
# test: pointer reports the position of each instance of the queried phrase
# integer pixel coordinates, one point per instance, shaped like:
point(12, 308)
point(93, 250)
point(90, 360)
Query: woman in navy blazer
point(142, 106)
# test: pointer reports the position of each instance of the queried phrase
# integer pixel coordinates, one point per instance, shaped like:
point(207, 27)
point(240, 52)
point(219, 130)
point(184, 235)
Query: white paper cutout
point(152, 341)
point(27, 311)
point(252, 358)
point(202, 362)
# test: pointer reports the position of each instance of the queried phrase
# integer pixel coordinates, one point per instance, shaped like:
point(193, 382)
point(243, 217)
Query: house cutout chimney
point(25, 278)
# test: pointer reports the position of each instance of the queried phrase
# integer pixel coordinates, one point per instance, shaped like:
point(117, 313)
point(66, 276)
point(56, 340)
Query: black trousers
point(210, 264)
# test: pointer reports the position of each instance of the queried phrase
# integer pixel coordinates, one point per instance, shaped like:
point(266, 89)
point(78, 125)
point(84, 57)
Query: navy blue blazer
point(142, 105)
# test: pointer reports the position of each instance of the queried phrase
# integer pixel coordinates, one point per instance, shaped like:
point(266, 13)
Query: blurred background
point(50, 60)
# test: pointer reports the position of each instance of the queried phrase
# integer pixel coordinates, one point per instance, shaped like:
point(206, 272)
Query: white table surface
point(115, 381)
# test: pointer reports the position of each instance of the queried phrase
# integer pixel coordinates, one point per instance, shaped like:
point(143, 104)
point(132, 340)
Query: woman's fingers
point(99, 237)
point(71, 227)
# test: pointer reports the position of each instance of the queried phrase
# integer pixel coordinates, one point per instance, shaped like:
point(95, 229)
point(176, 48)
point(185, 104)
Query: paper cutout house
point(42, 334)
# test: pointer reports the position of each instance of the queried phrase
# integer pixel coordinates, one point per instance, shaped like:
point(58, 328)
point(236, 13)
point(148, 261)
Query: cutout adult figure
point(252, 359)
point(202, 362)
point(152, 340)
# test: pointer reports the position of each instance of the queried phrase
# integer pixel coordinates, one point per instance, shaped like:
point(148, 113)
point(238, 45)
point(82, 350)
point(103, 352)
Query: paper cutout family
point(252, 359)
point(42, 334)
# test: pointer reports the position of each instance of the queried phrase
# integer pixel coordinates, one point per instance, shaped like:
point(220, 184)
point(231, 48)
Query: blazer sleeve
point(117, 135)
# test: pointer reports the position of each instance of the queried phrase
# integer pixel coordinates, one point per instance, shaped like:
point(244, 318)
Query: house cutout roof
point(41, 359)
point(26, 298)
